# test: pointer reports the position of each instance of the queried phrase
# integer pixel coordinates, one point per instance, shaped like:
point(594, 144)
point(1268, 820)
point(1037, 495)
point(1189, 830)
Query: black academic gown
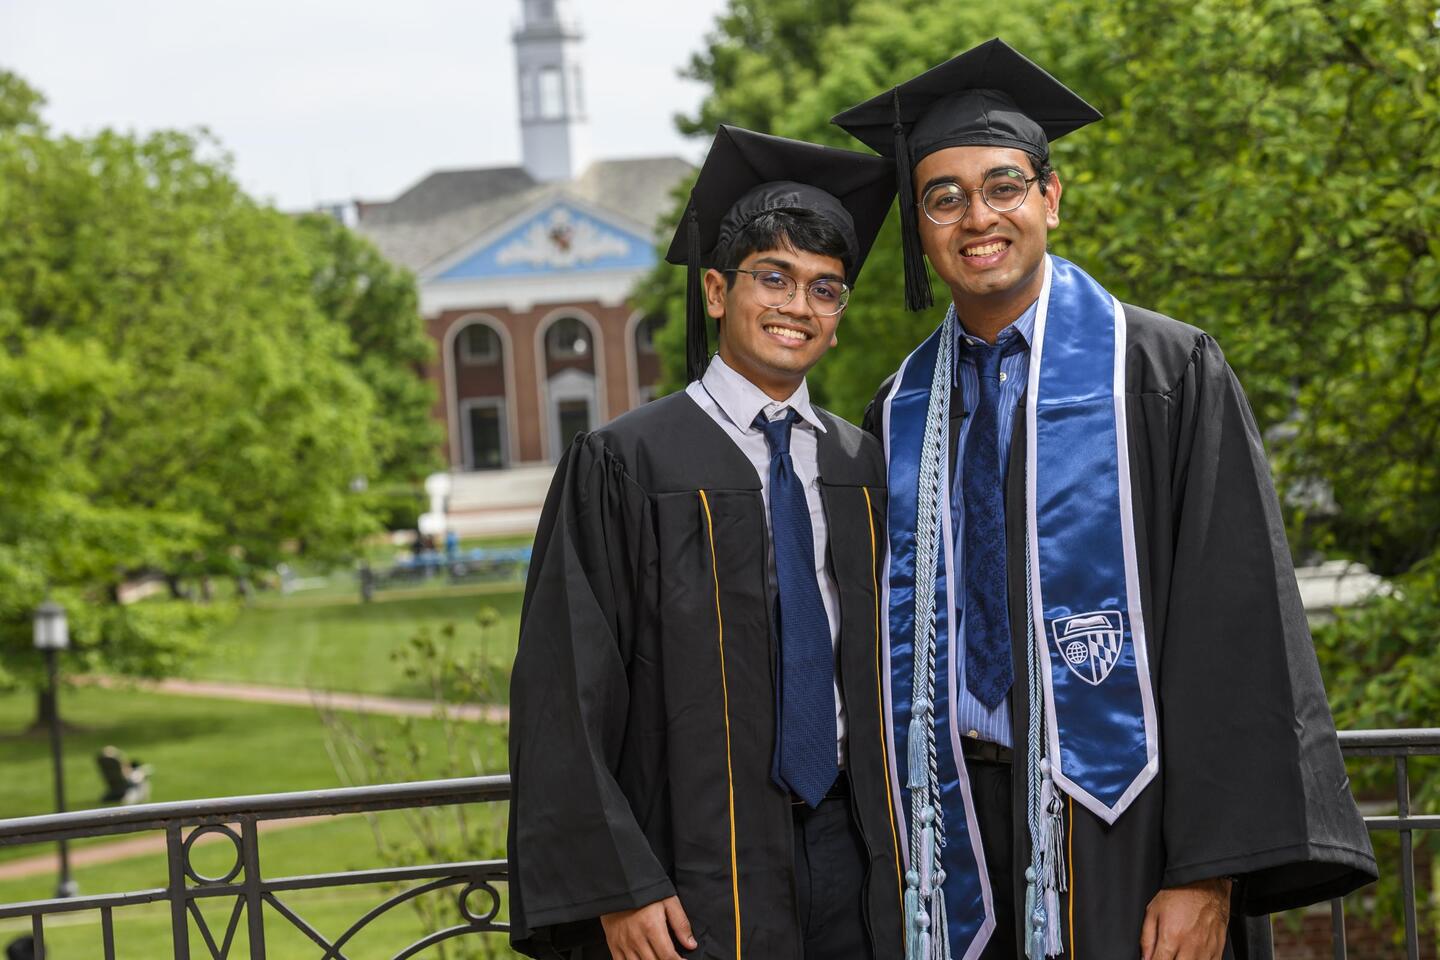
point(643, 695)
point(1251, 781)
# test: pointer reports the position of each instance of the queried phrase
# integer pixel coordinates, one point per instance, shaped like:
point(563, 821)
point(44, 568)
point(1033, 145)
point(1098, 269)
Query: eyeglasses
point(826, 296)
point(1003, 190)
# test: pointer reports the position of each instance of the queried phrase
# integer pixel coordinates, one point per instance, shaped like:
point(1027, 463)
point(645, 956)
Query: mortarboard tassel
point(917, 281)
point(697, 344)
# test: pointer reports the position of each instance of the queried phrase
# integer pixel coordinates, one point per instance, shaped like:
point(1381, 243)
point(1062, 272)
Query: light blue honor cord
point(927, 935)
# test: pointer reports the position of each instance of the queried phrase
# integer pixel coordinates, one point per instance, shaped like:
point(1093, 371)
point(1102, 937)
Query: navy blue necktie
point(805, 710)
point(989, 672)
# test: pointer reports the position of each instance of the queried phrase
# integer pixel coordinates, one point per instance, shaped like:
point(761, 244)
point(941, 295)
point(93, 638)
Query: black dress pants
point(990, 785)
point(830, 866)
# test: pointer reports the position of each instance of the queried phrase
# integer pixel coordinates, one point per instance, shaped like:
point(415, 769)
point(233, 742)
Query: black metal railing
point(238, 819)
point(1400, 745)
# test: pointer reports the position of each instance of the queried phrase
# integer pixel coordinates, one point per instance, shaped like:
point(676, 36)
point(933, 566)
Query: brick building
point(525, 273)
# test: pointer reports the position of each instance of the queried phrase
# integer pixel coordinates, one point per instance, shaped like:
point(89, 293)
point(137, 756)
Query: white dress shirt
point(733, 402)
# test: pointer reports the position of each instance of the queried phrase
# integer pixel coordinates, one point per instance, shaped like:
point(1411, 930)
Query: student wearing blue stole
point(1109, 734)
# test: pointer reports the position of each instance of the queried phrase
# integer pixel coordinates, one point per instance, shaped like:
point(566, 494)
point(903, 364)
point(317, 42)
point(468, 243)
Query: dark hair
point(1043, 170)
point(797, 229)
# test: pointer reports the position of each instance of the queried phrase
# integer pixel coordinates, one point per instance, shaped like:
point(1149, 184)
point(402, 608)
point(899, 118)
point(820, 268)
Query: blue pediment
point(561, 238)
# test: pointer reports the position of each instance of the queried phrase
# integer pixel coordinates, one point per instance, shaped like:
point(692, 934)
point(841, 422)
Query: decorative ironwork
point(254, 895)
point(1400, 745)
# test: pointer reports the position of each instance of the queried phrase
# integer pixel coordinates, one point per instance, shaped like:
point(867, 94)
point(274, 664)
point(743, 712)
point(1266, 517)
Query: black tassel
point(917, 280)
point(697, 345)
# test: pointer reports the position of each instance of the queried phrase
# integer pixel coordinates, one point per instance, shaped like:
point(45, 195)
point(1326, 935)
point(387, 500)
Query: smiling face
point(992, 262)
point(773, 347)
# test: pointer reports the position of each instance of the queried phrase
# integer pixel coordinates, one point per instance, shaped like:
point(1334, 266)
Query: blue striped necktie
point(989, 672)
point(805, 760)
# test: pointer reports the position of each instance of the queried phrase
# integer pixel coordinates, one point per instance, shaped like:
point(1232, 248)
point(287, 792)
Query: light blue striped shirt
point(972, 717)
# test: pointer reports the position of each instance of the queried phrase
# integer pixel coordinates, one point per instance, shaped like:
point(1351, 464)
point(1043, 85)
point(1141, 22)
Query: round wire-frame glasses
point(775, 288)
point(1003, 190)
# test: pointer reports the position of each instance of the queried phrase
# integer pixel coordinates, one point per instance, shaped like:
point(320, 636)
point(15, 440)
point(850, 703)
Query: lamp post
point(52, 634)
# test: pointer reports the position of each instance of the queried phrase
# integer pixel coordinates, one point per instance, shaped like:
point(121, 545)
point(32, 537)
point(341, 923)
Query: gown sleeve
point(576, 850)
point(870, 421)
point(1255, 786)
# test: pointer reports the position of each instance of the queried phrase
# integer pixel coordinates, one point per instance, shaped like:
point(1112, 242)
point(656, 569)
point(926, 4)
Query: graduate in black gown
point(1212, 787)
point(666, 799)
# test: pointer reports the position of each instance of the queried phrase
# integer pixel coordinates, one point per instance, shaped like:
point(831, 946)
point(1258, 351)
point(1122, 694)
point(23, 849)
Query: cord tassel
point(918, 767)
point(927, 861)
point(1030, 914)
point(912, 910)
point(941, 945)
point(1054, 837)
point(1052, 923)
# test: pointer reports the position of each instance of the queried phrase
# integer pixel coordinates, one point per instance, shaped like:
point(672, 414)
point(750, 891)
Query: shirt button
point(973, 734)
point(1002, 376)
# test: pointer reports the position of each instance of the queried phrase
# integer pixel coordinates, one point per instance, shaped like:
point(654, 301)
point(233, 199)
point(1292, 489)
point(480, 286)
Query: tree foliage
point(190, 382)
point(378, 305)
point(1268, 170)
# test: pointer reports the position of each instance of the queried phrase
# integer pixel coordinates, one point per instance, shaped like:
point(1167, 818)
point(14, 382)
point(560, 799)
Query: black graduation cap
point(990, 95)
point(747, 174)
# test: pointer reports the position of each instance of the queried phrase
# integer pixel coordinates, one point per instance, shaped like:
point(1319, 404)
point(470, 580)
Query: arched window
point(568, 339)
point(479, 409)
point(479, 344)
point(645, 332)
point(571, 375)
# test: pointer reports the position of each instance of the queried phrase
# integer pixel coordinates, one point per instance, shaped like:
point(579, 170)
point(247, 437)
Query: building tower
point(554, 133)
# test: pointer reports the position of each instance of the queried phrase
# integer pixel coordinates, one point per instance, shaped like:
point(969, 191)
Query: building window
point(567, 339)
point(527, 95)
point(552, 93)
point(479, 344)
point(645, 333)
point(485, 434)
point(574, 416)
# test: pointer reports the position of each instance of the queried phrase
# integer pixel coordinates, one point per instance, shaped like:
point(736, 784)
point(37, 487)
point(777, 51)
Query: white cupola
point(554, 134)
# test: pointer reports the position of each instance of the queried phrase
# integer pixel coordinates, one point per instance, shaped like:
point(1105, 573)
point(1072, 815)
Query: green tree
point(377, 303)
point(190, 383)
point(20, 103)
point(1269, 171)
point(759, 57)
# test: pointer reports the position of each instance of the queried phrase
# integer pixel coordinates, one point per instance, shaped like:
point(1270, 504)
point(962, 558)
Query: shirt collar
point(1023, 327)
point(741, 401)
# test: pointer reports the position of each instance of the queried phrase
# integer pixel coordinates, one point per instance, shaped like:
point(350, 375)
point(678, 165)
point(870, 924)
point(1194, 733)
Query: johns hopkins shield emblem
point(1089, 643)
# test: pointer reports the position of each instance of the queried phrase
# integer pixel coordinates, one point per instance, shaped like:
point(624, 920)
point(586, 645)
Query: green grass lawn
point(212, 748)
point(341, 644)
point(202, 748)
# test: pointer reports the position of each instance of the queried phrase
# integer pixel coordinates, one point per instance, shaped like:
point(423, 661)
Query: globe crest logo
point(1090, 643)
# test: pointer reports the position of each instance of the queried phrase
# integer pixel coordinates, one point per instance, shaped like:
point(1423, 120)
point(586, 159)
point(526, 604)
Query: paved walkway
point(301, 697)
point(137, 846)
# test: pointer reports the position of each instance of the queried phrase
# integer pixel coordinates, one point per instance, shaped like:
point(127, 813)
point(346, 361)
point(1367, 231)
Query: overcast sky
point(322, 100)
